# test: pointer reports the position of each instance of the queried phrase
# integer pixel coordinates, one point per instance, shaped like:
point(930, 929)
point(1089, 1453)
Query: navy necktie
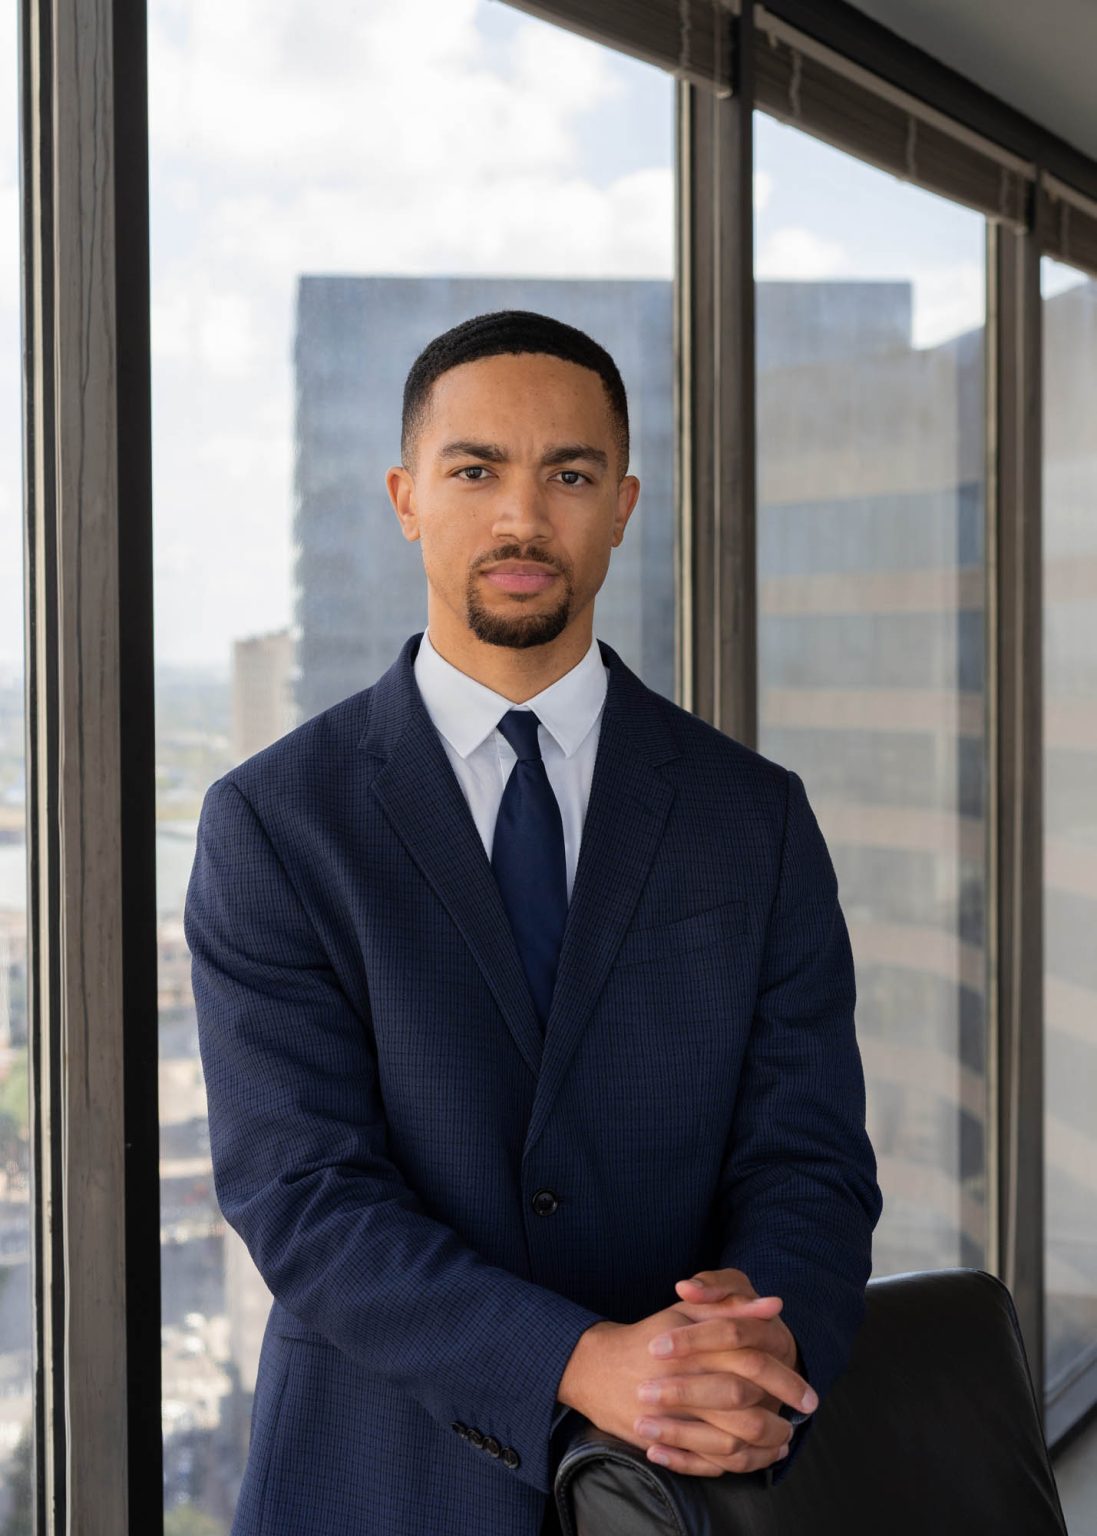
point(527, 857)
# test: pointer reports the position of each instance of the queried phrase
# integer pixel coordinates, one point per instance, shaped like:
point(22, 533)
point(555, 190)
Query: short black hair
point(508, 330)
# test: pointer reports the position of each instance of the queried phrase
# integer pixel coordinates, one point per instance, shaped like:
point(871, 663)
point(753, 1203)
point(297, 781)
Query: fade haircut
point(508, 330)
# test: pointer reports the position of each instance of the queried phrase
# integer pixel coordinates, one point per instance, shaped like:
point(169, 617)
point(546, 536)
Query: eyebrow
point(561, 453)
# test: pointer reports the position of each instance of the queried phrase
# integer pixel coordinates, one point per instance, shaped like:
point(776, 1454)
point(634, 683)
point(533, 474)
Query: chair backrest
point(932, 1430)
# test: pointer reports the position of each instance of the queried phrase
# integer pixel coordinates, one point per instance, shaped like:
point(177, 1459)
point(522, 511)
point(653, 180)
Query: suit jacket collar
point(626, 813)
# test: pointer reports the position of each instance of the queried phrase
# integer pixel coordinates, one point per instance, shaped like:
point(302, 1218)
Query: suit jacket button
point(545, 1202)
point(475, 1438)
point(492, 1446)
point(462, 1429)
point(510, 1456)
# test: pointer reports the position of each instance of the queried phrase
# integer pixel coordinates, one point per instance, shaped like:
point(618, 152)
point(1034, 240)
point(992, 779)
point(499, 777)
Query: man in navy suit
point(525, 1005)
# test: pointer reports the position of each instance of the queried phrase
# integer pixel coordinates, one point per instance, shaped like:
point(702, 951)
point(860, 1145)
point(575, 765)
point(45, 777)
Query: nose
point(522, 515)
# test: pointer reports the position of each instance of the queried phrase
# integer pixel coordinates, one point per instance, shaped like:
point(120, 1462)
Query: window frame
point(90, 722)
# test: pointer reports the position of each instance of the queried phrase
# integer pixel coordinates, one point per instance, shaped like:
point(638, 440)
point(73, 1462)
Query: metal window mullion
point(1017, 384)
point(683, 403)
point(43, 857)
point(696, 375)
point(736, 446)
point(716, 373)
point(87, 1013)
point(993, 1248)
point(76, 673)
point(137, 784)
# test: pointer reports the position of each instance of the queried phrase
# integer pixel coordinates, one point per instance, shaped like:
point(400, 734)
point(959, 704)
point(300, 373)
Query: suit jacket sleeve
point(799, 1194)
point(301, 1167)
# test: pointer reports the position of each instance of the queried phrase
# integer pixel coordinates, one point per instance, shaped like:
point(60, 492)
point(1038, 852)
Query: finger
point(687, 1443)
point(721, 1435)
point(711, 1295)
point(723, 1282)
point(684, 1461)
point(702, 1466)
point(768, 1332)
point(735, 1306)
point(727, 1278)
point(717, 1331)
point(757, 1365)
point(779, 1380)
point(699, 1392)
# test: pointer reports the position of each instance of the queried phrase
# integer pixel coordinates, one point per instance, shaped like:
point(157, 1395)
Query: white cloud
point(763, 190)
point(561, 225)
point(215, 330)
point(401, 136)
point(395, 93)
point(947, 300)
point(795, 252)
point(227, 334)
point(246, 459)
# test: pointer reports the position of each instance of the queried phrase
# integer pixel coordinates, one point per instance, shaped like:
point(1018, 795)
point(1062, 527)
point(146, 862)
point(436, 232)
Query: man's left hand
point(728, 1317)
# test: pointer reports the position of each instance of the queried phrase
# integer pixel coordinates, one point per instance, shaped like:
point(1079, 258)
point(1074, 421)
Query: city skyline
point(222, 319)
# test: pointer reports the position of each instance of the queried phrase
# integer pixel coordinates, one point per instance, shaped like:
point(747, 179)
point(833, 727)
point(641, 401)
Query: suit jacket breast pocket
point(665, 941)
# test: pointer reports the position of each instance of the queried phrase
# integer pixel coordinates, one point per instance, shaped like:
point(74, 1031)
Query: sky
point(403, 137)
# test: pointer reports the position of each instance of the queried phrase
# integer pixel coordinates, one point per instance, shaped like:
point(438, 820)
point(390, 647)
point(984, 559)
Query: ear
point(628, 493)
point(401, 489)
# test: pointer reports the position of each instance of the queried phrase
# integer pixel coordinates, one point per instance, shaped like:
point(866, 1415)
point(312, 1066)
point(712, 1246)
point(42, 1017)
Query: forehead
point(523, 390)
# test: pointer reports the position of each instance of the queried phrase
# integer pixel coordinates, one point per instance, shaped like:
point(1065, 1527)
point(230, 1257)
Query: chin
point(518, 631)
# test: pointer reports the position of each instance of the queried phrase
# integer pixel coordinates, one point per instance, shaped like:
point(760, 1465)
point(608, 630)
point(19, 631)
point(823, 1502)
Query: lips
point(527, 579)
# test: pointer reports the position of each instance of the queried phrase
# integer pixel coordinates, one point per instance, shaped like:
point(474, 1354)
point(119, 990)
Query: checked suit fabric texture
point(440, 1193)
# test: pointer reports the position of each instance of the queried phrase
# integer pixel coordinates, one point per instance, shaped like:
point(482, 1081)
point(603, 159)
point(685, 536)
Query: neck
point(518, 674)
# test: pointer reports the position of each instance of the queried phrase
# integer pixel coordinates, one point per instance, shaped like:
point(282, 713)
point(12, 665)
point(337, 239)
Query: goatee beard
point(517, 630)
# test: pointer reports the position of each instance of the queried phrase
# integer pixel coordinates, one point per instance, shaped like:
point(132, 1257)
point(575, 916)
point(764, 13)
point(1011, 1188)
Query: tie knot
point(519, 726)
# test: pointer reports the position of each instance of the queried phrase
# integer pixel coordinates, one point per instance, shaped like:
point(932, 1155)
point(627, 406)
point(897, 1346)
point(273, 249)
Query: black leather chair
point(932, 1430)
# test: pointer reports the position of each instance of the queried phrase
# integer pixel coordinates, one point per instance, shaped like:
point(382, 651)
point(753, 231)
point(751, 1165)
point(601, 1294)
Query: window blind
point(1068, 224)
point(805, 83)
point(690, 38)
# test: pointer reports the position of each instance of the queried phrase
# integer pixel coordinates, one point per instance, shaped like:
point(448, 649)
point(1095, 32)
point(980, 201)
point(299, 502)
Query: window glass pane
point(16, 1317)
point(332, 187)
point(1070, 834)
point(870, 338)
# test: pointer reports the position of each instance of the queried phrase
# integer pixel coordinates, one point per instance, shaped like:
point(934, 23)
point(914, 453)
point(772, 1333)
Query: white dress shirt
point(466, 713)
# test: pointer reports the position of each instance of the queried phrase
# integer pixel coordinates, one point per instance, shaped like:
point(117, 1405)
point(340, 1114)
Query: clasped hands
point(730, 1368)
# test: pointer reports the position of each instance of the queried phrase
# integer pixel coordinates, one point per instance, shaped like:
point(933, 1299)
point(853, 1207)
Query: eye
point(575, 472)
point(471, 467)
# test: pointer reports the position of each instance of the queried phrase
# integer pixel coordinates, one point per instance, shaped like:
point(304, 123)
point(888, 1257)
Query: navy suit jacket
point(440, 1200)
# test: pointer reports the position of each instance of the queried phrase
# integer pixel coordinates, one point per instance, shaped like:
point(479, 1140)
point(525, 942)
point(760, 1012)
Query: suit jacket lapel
point(421, 797)
point(626, 814)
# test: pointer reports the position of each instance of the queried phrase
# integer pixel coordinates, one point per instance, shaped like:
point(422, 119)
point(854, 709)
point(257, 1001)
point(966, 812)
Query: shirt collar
point(466, 711)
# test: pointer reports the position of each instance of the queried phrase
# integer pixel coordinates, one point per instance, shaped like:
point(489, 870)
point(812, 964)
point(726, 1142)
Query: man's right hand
point(740, 1432)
